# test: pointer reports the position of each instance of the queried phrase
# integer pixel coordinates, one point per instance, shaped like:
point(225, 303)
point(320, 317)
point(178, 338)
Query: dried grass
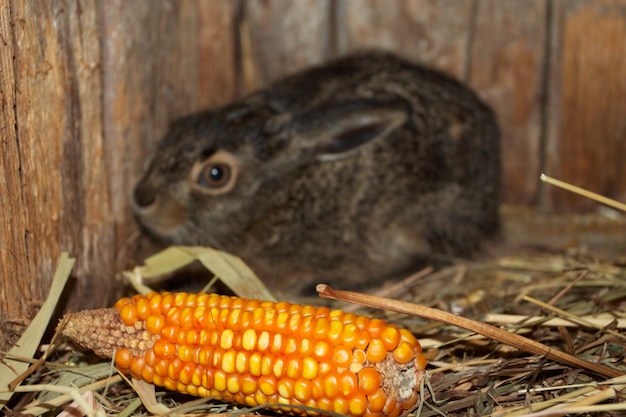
point(561, 297)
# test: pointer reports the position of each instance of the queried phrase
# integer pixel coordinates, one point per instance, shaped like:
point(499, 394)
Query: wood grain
point(506, 67)
point(218, 36)
point(87, 90)
point(161, 61)
point(432, 32)
point(56, 192)
point(587, 123)
point(286, 36)
point(14, 262)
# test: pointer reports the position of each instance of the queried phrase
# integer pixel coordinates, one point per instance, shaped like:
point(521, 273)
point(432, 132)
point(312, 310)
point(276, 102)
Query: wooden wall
point(87, 88)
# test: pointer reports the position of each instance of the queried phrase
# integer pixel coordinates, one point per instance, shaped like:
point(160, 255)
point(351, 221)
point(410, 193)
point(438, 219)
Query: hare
point(351, 173)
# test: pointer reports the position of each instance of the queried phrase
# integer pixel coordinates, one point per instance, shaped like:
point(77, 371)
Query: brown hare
point(351, 173)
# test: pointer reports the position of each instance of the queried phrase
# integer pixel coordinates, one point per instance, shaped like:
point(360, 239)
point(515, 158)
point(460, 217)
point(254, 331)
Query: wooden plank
point(56, 195)
point(218, 72)
point(587, 128)
point(79, 117)
point(507, 69)
point(286, 36)
point(161, 61)
point(148, 83)
point(14, 261)
point(432, 32)
point(458, 38)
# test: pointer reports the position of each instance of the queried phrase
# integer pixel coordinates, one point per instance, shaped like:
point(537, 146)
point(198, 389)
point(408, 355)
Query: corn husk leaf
point(231, 270)
point(31, 338)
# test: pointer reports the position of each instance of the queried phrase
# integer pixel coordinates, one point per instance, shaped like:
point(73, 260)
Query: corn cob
point(254, 352)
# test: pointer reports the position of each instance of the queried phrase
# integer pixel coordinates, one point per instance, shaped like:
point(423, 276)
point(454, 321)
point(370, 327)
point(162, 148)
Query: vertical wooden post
point(587, 96)
point(57, 194)
point(286, 36)
point(508, 70)
point(87, 88)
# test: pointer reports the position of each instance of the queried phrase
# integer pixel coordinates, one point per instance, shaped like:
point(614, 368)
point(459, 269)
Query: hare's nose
point(144, 195)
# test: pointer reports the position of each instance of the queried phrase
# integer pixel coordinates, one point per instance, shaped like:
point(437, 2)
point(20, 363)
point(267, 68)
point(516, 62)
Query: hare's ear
point(339, 133)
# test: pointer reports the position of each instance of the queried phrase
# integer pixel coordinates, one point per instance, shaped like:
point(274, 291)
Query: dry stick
point(39, 408)
point(32, 368)
point(526, 321)
point(572, 317)
point(564, 291)
point(484, 329)
point(585, 193)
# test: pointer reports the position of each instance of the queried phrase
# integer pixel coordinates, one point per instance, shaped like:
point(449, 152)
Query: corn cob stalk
point(253, 352)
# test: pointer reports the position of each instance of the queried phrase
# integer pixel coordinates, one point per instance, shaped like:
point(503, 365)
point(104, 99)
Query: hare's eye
point(215, 176)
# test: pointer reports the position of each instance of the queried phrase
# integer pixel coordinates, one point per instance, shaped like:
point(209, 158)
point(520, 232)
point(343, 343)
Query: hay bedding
point(551, 267)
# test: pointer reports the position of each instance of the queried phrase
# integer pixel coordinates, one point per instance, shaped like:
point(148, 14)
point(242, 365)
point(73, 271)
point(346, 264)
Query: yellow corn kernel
point(196, 377)
point(358, 405)
point(192, 337)
point(161, 367)
point(233, 320)
point(369, 381)
point(267, 364)
point(309, 368)
point(349, 336)
point(376, 351)
point(253, 352)
point(294, 368)
point(169, 332)
point(303, 389)
point(228, 361)
point(347, 383)
point(255, 364)
point(248, 384)
point(290, 346)
point(155, 323)
point(164, 349)
point(241, 362)
point(279, 369)
point(249, 339)
point(226, 339)
point(186, 373)
point(167, 302)
point(267, 385)
point(170, 384)
point(186, 353)
point(136, 365)
point(404, 353)
point(342, 356)
point(186, 320)
point(191, 390)
point(341, 405)
point(305, 347)
point(123, 358)
point(232, 384)
point(390, 336)
point(173, 369)
point(128, 314)
point(277, 343)
point(331, 385)
point(142, 306)
point(219, 381)
point(154, 301)
point(322, 350)
point(286, 388)
point(377, 401)
point(335, 331)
